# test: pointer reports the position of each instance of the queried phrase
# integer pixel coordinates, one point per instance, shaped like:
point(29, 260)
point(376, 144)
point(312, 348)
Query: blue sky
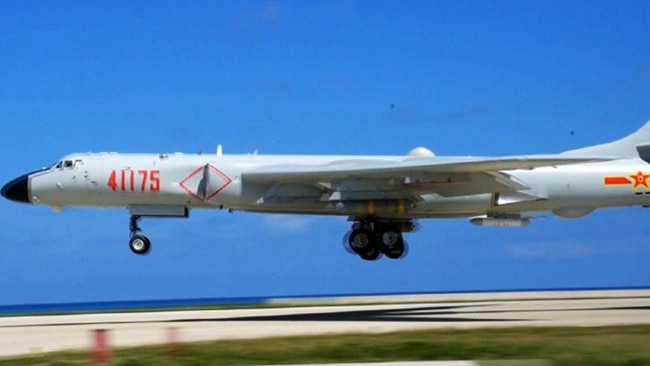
point(339, 77)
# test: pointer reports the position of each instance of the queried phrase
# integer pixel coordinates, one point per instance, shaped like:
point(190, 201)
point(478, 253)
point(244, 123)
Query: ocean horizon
point(128, 305)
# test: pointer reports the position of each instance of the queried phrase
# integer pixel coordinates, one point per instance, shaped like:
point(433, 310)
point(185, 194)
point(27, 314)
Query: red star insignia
point(640, 179)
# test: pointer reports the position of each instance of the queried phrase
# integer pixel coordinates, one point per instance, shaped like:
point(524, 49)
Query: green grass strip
point(629, 345)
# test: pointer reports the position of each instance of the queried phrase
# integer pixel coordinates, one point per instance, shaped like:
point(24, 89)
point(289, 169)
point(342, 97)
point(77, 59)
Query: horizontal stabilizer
point(644, 152)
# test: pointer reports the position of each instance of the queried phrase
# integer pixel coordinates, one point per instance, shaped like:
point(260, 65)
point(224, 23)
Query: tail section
point(634, 145)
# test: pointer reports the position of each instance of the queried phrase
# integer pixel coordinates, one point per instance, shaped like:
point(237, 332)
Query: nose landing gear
point(139, 244)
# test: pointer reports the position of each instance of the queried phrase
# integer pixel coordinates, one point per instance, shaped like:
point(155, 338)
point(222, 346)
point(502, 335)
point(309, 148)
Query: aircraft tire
point(371, 254)
point(361, 240)
point(396, 251)
point(389, 237)
point(140, 244)
point(364, 243)
point(392, 242)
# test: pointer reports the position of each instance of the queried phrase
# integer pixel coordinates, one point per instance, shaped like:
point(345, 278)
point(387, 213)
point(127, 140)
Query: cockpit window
point(69, 164)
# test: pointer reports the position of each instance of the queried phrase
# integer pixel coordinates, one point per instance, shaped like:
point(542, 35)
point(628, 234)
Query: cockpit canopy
point(68, 164)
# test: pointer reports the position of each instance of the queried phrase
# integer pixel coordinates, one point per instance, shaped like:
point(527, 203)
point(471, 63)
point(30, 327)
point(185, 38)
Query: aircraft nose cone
point(17, 189)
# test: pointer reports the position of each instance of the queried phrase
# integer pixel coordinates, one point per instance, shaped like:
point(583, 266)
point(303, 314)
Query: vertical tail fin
point(634, 145)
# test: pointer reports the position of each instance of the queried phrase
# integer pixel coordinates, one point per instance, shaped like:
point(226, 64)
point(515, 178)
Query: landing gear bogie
point(370, 240)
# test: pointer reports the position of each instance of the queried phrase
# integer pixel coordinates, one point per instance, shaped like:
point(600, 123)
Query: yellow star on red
point(640, 179)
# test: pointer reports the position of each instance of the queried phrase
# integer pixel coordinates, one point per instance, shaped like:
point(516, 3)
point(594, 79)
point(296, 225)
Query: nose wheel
point(139, 244)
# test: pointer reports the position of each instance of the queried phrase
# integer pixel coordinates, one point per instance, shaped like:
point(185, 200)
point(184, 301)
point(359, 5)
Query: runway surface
point(46, 333)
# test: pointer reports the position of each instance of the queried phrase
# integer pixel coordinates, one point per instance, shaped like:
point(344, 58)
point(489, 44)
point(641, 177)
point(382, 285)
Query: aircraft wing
point(446, 176)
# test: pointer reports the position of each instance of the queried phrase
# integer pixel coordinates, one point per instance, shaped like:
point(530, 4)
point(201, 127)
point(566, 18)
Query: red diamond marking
point(217, 182)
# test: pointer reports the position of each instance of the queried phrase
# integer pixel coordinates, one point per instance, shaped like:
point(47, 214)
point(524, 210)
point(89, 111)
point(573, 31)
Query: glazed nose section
point(17, 189)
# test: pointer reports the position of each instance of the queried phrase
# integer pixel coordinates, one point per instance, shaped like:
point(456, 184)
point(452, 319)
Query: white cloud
point(269, 13)
point(287, 224)
point(563, 249)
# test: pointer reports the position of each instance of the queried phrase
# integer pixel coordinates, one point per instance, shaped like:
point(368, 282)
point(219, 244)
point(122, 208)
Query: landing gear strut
point(139, 244)
point(370, 239)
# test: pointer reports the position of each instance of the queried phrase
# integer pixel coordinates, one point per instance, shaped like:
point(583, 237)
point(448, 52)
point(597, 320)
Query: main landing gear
point(370, 239)
point(139, 244)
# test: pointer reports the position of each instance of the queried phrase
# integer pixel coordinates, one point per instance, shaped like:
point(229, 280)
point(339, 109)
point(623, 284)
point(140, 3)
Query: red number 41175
point(131, 180)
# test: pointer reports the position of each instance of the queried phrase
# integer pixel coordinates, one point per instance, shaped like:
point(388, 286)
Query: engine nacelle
point(572, 212)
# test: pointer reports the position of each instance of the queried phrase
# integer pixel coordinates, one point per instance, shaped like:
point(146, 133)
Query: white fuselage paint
point(177, 179)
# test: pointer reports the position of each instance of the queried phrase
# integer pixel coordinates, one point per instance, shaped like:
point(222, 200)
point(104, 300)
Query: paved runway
point(30, 334)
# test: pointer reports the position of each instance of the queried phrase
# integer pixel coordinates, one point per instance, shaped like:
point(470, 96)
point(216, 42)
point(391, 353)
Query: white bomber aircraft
point(382, 195)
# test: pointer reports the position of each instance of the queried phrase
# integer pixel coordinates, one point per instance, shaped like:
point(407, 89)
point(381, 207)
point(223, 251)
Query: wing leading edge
point(413, 176)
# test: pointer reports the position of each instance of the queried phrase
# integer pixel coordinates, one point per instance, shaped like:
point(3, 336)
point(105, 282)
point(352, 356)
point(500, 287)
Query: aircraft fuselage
point(210, 181)
point(382, 195)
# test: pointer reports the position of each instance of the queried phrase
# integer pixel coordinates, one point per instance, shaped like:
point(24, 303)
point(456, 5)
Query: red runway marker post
point(172, 343)
point(101, 349)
